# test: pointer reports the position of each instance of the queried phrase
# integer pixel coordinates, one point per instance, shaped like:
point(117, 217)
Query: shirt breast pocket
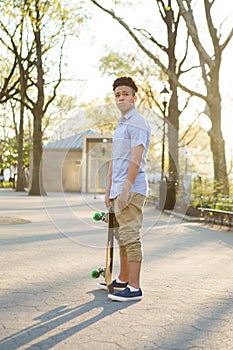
point(121, 133)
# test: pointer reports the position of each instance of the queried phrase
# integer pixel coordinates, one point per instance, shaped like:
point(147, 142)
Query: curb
point(183, 216)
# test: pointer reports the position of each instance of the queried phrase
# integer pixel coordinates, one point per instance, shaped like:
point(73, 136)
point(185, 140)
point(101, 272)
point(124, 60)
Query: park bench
point(217, 216)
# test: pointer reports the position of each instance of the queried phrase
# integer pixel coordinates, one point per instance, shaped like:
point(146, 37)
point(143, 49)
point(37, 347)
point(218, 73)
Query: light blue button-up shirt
point(132, 130)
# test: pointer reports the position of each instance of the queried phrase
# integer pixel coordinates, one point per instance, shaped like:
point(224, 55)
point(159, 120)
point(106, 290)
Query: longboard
point(107, 271)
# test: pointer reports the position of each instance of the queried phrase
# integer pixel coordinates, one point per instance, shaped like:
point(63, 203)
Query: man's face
point(124, 98)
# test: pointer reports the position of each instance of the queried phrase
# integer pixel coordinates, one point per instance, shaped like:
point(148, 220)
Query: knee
point(123, 251)
point(134, 251)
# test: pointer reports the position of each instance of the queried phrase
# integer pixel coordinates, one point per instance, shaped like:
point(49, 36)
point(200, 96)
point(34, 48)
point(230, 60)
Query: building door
point(98, 161)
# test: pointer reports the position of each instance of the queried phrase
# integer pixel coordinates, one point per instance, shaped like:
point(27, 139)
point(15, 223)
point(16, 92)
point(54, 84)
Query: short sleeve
point(138, 136)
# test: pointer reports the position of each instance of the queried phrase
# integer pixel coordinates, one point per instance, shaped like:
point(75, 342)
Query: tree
point(210, 65)
point(12, 40)
point(43, 27)
point(174, 70)
point(121, 63)
point(8, 82)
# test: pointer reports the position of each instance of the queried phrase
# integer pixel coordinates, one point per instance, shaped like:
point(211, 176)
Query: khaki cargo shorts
point(130, 221)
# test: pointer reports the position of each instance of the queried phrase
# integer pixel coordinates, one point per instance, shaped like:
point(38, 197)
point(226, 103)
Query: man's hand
point(134, 165)
point(123, 199)
point(107, 201)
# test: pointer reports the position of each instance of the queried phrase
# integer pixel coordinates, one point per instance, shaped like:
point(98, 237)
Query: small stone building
point(78, 163)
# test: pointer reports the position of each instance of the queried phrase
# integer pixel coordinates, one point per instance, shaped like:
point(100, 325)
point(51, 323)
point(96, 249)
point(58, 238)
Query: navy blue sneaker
point(126, 295)
point(115, 284)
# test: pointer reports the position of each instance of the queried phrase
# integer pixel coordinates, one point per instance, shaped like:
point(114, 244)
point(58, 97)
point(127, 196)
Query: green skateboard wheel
point(99, 216)
point(97, 273)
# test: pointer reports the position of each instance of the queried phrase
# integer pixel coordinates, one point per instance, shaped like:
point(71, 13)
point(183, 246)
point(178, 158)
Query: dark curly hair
point(126, 81)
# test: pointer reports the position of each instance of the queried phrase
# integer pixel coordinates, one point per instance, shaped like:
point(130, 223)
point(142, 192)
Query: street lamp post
point(162, 188)
point(164, 102)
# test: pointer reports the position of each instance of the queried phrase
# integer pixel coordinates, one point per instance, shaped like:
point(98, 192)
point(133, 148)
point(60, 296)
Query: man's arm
point(108, 186)
point(133, 169)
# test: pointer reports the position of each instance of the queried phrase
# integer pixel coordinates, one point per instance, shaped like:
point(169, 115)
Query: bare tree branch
point(148, 36)
point(155, 59)
point(194, 135)
point(212, 29)
point(192, 29)
point(184, 58)
point(59, 79)
point(226, 42)
point(161, 6)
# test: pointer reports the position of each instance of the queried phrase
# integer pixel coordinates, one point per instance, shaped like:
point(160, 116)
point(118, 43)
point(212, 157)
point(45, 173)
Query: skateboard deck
point(106, 272)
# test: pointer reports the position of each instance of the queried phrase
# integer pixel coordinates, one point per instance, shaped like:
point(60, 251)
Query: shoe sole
point(116, 298)
point(101, 287)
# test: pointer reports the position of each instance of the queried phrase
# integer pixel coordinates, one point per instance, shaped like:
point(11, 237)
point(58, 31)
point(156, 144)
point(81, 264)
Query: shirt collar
point(127, 115)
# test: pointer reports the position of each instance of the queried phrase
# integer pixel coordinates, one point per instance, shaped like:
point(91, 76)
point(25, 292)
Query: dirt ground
point(9, 220)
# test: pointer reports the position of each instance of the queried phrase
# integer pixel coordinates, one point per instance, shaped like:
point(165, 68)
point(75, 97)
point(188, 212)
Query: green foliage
point(207, 194)
point(103, 118)
point(115, 63)
point(33, 35)
point(224, 203)
point(54, 118)
point(9, 153)
point(140, 68)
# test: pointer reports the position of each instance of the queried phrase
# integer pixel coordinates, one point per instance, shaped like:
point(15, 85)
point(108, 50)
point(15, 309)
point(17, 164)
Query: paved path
point(49, 301)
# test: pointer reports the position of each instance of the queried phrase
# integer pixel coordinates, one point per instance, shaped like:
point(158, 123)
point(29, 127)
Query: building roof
point(72, 142)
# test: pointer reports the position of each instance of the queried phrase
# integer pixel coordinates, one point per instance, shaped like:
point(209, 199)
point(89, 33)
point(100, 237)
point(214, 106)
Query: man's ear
point(135, 98)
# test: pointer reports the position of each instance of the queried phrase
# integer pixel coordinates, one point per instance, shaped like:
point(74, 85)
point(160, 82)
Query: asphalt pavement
point(48, 300)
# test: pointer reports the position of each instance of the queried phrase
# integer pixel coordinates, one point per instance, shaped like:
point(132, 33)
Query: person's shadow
point(58, 317)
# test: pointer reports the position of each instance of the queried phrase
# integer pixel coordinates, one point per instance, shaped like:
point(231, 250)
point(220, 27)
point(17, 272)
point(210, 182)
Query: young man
point(127, 188)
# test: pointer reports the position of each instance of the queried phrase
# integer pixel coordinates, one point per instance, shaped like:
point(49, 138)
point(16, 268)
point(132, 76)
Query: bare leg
point(134, 274)
point(124, 269)
point(130, 271)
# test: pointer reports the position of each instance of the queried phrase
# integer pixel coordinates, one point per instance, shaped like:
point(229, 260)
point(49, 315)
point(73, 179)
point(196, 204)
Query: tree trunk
point(217, 142)
point(38, 113)
point(173, 111)
point(173, 130)
point(217, 145)
point(36, 187)
point(220, 175)
point(20, 171)
point(211, 64)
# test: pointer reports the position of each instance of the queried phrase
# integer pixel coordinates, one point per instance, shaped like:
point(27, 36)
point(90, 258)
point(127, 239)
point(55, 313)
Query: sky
point(84, 54)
